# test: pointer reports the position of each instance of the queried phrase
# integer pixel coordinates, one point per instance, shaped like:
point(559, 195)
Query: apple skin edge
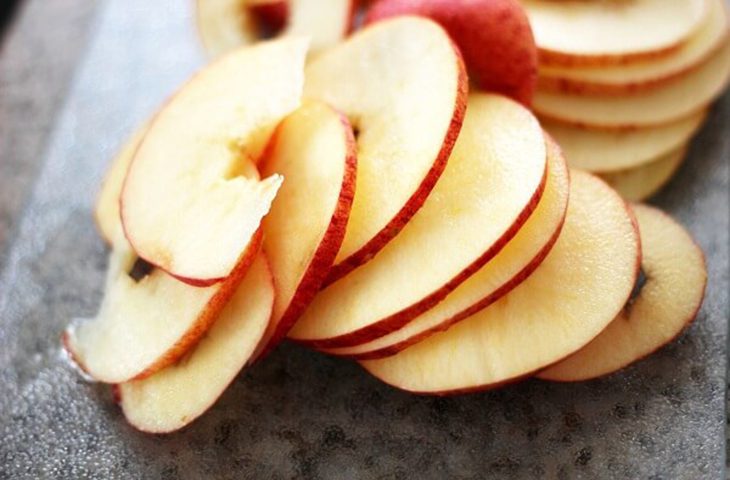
point(555, 58)
point(416, 200)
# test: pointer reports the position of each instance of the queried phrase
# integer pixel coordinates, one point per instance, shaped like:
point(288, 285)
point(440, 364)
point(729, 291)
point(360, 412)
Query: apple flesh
point(575, 293)
point(516, 262)
point(492, 183)
point(404, 135)
point(180, 393)
point(642, 182)
point(314, 149)
point(494, 37)
point(668, 301)
point(190, 204)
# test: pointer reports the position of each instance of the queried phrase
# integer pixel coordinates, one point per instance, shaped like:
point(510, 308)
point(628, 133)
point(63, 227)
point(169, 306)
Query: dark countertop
point(299, 414)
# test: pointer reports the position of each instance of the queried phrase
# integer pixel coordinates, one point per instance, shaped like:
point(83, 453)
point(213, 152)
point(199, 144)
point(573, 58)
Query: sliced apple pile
point(639, 183)
point(666, 301)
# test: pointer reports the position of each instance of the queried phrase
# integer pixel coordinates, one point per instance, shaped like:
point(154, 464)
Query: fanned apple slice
point(674, 279)
point(402, 84)
point(177, 395)
point(622, 79)
point(189, 205)
point(492, 183)
point(147, 322)
point(680, 98)
point(640, 183)
point(576, 32)
point(314, 149)
point(604, 151)
point(577, 291)
point(516, 262)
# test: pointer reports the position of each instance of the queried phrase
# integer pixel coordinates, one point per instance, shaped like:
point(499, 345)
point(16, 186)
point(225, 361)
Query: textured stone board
point(300, 414)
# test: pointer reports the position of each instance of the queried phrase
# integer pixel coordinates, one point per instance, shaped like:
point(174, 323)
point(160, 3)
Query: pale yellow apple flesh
point(147, 324)
point(636, 76)
point(225, 25)
point(492, 183)
point(575, 293)
point(608, 32)
point(604, 151)
point(516, 262)
point(177, 395)
point(314, 150)
point(675, 272)
point(189, 206)
point(402, 84)
point(642, 182)
point(682, 97)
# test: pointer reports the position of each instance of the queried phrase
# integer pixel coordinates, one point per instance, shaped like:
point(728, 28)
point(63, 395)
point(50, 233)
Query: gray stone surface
point(300, 414)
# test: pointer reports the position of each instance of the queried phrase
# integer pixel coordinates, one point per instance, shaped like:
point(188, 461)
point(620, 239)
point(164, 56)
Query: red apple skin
point(327, 250)
point(494, 36)
point(273, 14)
point(399, 319)
point(396, 224)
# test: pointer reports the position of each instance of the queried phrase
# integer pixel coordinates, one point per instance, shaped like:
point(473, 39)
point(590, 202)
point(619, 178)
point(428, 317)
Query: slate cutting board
point(300, 414)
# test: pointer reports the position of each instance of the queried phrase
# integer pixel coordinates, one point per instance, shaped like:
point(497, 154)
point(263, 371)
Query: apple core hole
point(140, 270)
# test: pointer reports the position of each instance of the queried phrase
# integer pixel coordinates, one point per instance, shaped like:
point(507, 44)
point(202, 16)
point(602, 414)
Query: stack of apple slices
point(366, 206)
point(624, 89)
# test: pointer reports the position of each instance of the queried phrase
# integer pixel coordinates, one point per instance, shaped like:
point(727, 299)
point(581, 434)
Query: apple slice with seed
point(574, 294)
point(178, 394)
point(189, 205)
point(492, 183)
point(516, 262)
point(674, 278)
point(402, 84)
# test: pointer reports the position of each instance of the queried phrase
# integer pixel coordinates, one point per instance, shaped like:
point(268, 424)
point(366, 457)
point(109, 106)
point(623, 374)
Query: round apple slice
point(314, 149)
point(680, 98)
point(492, 183)
point(189, 205)
point(576, 292)
point(603, 151)
point(576, 32)
point(177, 395)
point(642, 182)
point(516, 262)
point(402, 84)
point(674, 279)
point(622, 79)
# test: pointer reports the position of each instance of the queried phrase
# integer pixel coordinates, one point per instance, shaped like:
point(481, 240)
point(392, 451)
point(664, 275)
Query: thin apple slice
point(678, 99)
point(190, 205)
point(664, 305)
point(402, 84)
point(606, 32)
point(604, 151)
point(623, 79)
point(314, 149)
point(576, 292)
point(177, 395)
point(145, 324)
point(492, 183)
point(640, 183)
point(515, 263)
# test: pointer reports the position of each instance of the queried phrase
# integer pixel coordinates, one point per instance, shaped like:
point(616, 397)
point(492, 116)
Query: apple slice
point(492, 183)
point(402, 84)
point(499, 27)
point(624, 79)
point(177, 395)
point(607, 32)
point(576, 292)
point(314, 149)
point(516, 262)
point(145, 324)
point(609, 151)
point(669, 299)
point(642, 182)
point(190, 204)
point(680, 98)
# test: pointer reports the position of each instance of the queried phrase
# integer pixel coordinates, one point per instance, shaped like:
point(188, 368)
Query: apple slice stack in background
point(623, 87)
point(361, 202)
